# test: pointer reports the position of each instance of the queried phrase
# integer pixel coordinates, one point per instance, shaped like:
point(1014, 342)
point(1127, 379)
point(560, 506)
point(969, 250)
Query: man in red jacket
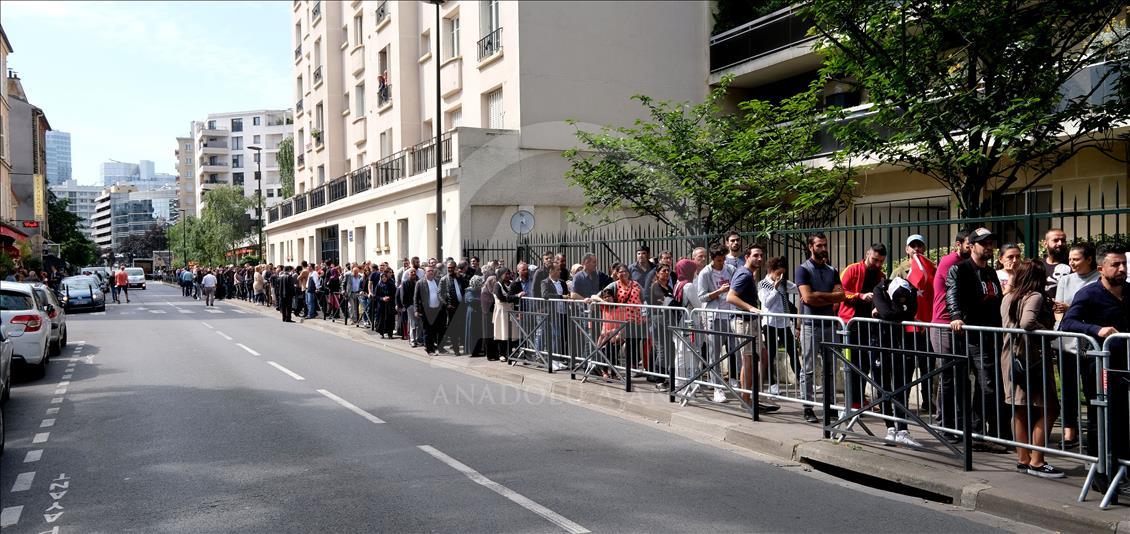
point(859, 281)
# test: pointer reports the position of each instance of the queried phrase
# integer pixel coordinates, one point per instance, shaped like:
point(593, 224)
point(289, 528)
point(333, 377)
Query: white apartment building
point(512, 74)
point(81, 201)
point(222, 153)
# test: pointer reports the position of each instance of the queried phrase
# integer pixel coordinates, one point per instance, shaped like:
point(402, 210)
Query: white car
point(5, 382)
point(56, 314)
point(26, 325)
point(136, 277)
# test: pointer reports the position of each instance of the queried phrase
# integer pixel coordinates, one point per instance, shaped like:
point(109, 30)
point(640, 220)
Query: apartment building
point(510, 75)
point(58, 157)
point(223, 155)
point(122, 210)
point(186, 177)
point(82, 200)
point(9, 233)
point(772, 57)
point(27, 140)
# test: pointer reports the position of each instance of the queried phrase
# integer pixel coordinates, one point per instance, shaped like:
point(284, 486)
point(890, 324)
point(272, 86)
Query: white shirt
point(209, 280)
point(433, 294)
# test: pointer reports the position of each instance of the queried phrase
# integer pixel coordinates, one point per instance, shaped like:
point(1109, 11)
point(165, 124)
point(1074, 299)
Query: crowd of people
point(460, 307)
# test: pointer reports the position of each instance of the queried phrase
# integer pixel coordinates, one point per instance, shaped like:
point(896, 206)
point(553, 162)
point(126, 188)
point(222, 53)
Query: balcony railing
point(317, 74)
point(382, 12)
point(389, 170)
point(338, 189)
point(316, 11)
point(298, 51)
point(272, 214)
point(360, 180)
point(758, 38)
point(298, 106)
point(301, 160)
point(318, 197)
point(491, 44)
point(384, 94)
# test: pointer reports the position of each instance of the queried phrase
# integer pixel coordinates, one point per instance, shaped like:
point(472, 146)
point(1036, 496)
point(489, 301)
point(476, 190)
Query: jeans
point(311, 305)
point(813, 335)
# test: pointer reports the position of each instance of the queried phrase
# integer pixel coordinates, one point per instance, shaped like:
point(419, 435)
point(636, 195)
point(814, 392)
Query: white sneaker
point(903, 438)
point(719, 396)
point(734, 384)
point(774, 389)
point(891, 437)
point(557, 366)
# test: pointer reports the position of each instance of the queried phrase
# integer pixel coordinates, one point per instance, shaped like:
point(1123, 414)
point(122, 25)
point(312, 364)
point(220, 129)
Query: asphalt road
point(164, 416)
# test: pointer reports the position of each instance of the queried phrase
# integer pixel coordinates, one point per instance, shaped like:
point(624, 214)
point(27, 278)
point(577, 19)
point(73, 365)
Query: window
point(298, 34)
point(299, 86)
point(270, 193)
point(257, 139)
point(237, 143)
point(454, 118)
point(188, 161)
point(489, 17)
point(494, 109)
point(345, 34)
point(256, 121)
point(211, 125)
point(319, 117)
point(386, 143)
point(359, 96)
point(237, 178)
point(237, 125)
point(450, 37)
point(318, 53)
point(425, 43)
point(358, 29)
point(237, 161)
point(188, 147)
point(255, 157)
point(321, 174)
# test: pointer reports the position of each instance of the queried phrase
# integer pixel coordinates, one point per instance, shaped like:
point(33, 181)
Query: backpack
point(896, 300)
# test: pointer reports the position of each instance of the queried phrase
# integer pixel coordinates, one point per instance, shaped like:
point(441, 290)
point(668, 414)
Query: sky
point(126, 78)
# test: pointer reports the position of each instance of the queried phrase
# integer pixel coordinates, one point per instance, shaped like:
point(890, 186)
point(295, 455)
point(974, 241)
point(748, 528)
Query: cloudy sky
point(126, 78)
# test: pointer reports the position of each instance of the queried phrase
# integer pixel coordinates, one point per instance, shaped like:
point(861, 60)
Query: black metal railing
point(360, 180)
point(301, 160)
point(382, 12)
point(338, 189)
point(392, 168)
point(318, 197)
point(384, 94)
point(300, 203)
point(272, 214)
point(758, 38)
point(286, 209)
point(424, 154)
point(298, 51)
point(317, 74)
point(491, 44)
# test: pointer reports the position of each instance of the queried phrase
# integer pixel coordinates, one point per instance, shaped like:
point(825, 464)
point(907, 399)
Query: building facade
point(366, 111)
point(223, 153)
point(58, 157)
point(140, 175)
point(27, 139)
point(82, 200)
point(186, 180)
point(122, 210)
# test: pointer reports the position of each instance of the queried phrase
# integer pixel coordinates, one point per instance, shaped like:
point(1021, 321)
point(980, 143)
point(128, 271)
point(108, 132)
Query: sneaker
point(890, 439)
point(774, 389)
point(1021, 468)
point(810, 415)
point(903, 438)
point(719, 396)
point(1046, 471)
point(558, 366)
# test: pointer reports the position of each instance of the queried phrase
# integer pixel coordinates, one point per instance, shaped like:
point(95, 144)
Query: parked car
point(82, 293)
point(136, 277)
point(26, 325)
point(5, 371)
point(103, 274)
point(56, 315)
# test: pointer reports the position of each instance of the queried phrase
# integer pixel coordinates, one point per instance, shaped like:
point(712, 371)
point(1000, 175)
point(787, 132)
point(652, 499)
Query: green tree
point(700, 171)
point(224, 222)
point(142, 246)
point(63, 228)
point(983, 96)
point(185, 239)
point(285, 157)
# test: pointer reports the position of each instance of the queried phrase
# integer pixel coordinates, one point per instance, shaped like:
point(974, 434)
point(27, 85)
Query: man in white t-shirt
point(208, 287)
point(713, 284)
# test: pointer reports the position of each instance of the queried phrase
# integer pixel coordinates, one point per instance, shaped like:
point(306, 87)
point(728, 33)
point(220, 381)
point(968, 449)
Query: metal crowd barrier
point(1115, 391)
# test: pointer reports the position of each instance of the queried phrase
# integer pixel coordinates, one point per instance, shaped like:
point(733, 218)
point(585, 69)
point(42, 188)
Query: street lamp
point(259, 181)
point(439, 135)
point(184, 223)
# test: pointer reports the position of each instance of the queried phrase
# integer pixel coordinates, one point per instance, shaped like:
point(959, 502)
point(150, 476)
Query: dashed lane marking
point(10, 516)
point(292, 374)
point(57, 400)
point(517, 498)
point(52, 411)
point(210, 310)
point(206, 324)
point(156, 311)
point(33, 456)
point(351, 407)
point(41, 437)
point(47, 423)
point(184, 311)
point(67, 376)
point(223, 335)
point(248, 349)
point(23, 481)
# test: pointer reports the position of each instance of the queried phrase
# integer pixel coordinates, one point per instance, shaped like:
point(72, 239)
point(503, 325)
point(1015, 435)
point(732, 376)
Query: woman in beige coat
point(1027, 377)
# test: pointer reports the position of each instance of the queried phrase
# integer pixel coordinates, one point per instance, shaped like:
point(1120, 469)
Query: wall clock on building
point(522, 222)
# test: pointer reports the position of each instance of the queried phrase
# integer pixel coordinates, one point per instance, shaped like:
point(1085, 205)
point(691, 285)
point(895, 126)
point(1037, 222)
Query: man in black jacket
point(288, 288)
point(430, 310)
point(973, 297)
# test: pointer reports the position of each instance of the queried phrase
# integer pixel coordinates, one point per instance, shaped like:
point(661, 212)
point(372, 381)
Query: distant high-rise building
point(139, 175)
point(186, 180)
point(58, 157)
point(116, 171)
point(81, 201)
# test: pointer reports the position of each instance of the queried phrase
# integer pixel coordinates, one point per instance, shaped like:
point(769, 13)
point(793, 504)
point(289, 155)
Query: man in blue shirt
point(743, 296)
point(820, 290)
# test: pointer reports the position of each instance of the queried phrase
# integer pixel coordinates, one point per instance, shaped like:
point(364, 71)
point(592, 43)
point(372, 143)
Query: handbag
point(789, 306)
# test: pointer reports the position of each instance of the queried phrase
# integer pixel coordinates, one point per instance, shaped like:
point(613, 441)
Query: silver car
point(136, 277)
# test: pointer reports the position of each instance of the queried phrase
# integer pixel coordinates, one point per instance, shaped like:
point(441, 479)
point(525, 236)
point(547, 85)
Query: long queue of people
point(461, 307)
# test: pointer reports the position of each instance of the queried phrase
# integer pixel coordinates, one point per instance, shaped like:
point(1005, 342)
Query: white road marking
point(292, 374)
point(205, 324)
point(211, 310)
point(142, 308)
point(98, 313)
point(47, 423)
point(351, 407)
point(241, 312)
point(33, 456)
point(248, 349)
point(223, 335)
point(64, 383)
point(61, 391)
point(57, 400)
point(519, 499)
point(67, 376)
point(41, 437)
point(184, 311)
point(156, 311)
point(10, 515)
point(23, 481)
point(52, 411)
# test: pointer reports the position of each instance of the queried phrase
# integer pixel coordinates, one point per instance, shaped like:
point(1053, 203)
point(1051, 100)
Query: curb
point(964, 489)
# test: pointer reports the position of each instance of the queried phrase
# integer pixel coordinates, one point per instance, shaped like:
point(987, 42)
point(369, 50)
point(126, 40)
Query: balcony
point(300, 161)
point(212, 129)
point(491, 44)
point(215, 166)
point(317, 75)
point(358, 131)
point(318, 197)
point(776, 32)
point(300, 203)
point(382, 12)
point(315, 12)
point(392, 168)
point(424, 154)
point(337, 189)
point(298, 52)
point(272, 214)
point(286, 209)
point(384, 94)
point(214, 148)
point(451, 77)
point(360, 180)
point(357, 60)
point(298, 107)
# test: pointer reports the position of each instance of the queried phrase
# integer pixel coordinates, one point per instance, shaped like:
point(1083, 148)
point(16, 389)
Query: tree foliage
point(701, 171)
point(285, 158)
point(982, 96)
point(143, 245)
point(185, 239)
point(63, 228)
point(224, 222)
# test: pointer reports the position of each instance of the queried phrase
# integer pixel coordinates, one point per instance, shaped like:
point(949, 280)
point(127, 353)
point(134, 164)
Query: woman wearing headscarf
point(686, 295)
point(473, 325)
point(385, 298)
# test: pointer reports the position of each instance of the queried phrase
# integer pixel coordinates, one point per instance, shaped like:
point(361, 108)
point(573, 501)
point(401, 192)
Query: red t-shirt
point(941, 314)
point(121, 279)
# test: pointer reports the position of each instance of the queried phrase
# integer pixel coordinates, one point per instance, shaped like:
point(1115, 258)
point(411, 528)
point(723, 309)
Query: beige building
point(511, 74)
point(9, 233)
point(768, 61)
point(186, 179)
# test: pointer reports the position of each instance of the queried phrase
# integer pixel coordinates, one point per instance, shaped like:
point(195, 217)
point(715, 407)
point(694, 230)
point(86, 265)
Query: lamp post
point(184, 223)
point(259, 184)
point(439, 135)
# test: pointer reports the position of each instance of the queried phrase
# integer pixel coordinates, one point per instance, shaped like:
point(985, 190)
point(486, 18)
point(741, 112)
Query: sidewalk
point(993, 487)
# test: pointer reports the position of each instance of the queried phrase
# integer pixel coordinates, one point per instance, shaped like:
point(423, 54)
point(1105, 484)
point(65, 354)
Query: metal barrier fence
point(1115, 391)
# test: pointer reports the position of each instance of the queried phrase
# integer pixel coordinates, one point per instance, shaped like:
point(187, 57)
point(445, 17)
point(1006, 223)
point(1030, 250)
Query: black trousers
point(433, 330)
point(284, 307)
point(456, 325)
